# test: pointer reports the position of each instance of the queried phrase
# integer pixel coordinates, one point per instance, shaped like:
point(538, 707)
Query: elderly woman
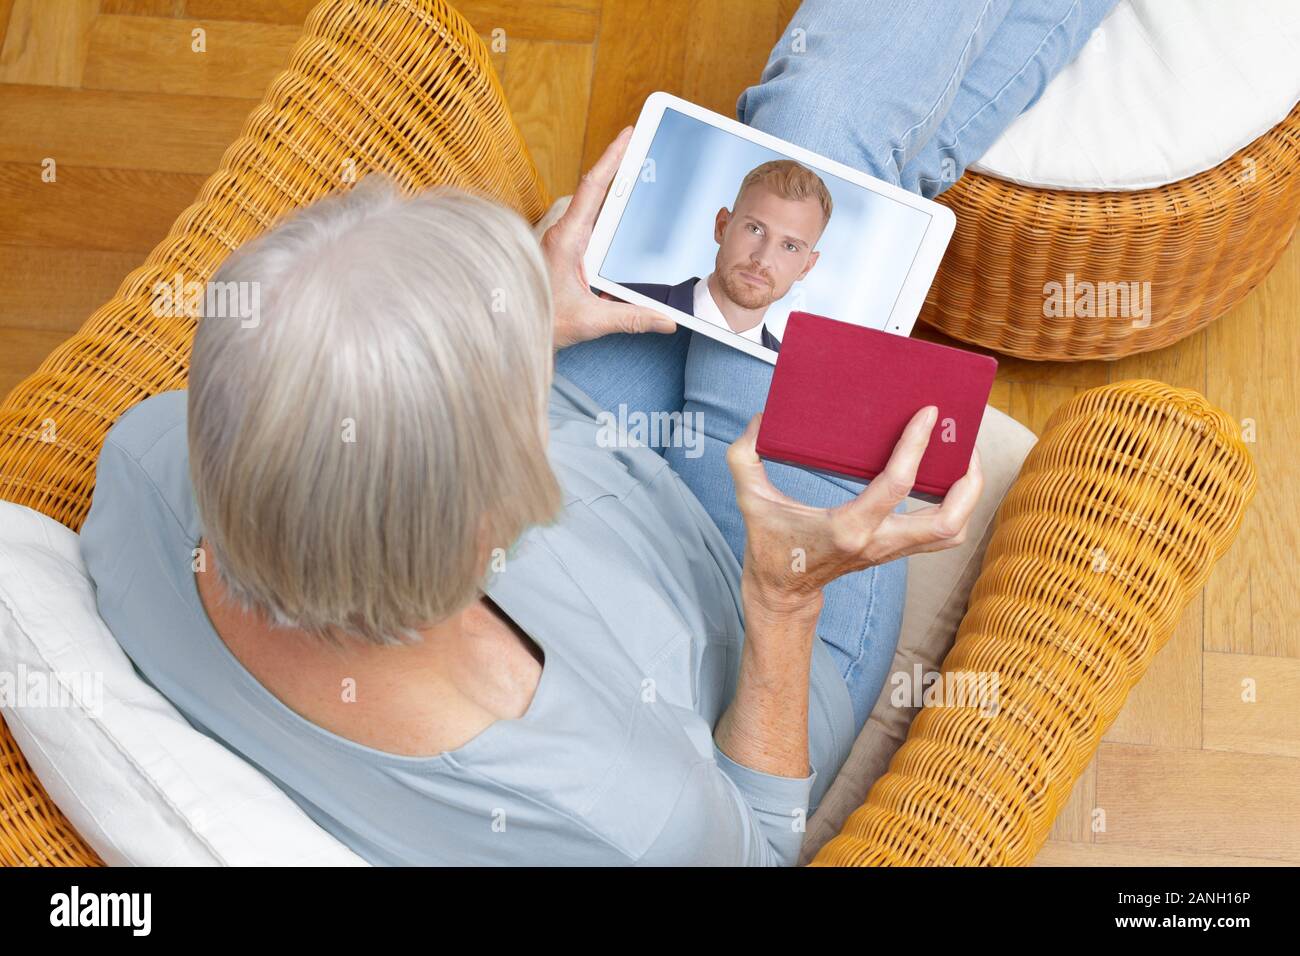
point(382, 549)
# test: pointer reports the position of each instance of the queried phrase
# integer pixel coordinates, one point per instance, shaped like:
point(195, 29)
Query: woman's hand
point(580, 314)
point(793, 550)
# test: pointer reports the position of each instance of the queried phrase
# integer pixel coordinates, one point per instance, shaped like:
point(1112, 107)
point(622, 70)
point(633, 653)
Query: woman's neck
point(421, 697)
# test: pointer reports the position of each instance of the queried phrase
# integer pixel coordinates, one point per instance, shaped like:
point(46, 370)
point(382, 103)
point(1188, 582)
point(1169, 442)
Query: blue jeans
point(911, 92)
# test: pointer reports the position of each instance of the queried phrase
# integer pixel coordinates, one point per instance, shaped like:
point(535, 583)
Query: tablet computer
point(728, 230)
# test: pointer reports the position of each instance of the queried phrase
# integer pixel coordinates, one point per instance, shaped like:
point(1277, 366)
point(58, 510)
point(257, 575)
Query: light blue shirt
point(632, 595)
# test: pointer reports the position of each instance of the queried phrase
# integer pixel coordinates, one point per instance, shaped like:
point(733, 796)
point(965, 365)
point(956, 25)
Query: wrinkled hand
point(794, 550)
point(580, 314)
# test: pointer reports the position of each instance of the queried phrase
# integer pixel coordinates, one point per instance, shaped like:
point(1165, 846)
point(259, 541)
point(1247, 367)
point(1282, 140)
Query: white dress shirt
point(706, 308)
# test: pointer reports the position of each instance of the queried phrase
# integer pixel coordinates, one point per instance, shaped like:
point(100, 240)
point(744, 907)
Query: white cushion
point(1163, 90)
point(136, 780)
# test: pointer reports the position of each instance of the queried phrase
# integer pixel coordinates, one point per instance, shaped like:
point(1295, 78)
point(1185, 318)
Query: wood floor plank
point(1252, 704)
point(632, 61)
point(1075, 820)
point(1033, 404)
point(155, 55)
point(1181, 364)
point(721, 61)
point(711, 66)
point(1254, 355)
point(1164, 709)
point(6, 8)
point(109, 129)
point(46, 42)
point(113, 210)
point(569, 21)
point(1065, 853)
point(1024, 371)
point(24, 350)
point(55, 290)
point(143, 8)
point(1200, 801)
point(264, 11)
point(547, 86)
point(1000, 396)
point(786, 9)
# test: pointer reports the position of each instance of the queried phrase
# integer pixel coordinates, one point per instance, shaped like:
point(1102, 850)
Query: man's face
point(765, 245)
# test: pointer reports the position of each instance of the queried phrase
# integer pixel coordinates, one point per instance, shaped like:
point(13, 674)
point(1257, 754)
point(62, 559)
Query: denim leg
point(1034, 42)
point(643, 371)
point(863, 611)
point(868, 83)
point(913, 91)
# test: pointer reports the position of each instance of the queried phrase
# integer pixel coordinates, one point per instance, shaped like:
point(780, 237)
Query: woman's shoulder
point(142, 426)
point(144, 465)
point(142, 499)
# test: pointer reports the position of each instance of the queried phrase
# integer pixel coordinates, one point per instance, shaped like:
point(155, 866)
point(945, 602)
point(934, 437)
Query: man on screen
point(765, 245)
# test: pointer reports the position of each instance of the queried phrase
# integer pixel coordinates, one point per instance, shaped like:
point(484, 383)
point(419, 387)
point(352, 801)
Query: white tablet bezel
point(910, 298)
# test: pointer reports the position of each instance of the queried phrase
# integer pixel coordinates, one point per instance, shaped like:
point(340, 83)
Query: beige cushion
point(937, 587)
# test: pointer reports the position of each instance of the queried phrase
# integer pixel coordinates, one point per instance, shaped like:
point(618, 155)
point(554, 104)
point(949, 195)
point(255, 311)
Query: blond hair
point(358, 453)
point(789, 180)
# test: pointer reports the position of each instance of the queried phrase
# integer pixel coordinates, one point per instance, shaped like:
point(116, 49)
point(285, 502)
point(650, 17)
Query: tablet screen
point(763, 234)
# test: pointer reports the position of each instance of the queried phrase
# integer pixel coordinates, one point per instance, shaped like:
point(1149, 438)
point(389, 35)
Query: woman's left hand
point(580, 314)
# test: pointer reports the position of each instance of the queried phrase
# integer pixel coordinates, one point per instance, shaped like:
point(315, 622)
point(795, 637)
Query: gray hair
point(361, 449)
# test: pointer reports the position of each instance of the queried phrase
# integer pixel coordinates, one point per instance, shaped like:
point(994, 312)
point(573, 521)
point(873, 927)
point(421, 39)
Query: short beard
point(743, 294)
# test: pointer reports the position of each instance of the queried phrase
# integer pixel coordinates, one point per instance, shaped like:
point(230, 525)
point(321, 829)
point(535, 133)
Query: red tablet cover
point(842, 394)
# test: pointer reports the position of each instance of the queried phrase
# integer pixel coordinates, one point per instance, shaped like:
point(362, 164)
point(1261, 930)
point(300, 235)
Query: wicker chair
point(1202, 243)
point(1118, 515)
point(1150, 475)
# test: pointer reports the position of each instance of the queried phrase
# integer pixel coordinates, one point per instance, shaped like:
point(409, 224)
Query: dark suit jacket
point(682, 298)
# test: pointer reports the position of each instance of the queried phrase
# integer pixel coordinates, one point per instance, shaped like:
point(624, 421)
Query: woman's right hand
point(793, 550)
point(580, 314)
